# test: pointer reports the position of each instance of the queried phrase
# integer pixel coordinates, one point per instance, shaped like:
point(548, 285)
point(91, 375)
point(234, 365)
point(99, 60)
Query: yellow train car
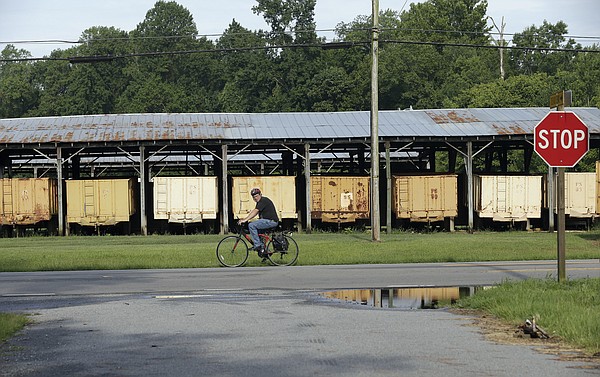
point(425, 198)
point(281, 189)
point(27, 201)
point(99, 202)
point(340, 199)
point(185, 199)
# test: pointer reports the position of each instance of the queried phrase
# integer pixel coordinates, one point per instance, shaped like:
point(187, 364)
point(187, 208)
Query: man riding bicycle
point(265, 209)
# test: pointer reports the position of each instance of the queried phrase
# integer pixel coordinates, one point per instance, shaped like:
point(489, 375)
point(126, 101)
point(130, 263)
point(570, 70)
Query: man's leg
point(252, 227)
point(255, 227)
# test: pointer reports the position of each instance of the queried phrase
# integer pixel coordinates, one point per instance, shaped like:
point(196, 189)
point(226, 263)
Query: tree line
point(436, 54)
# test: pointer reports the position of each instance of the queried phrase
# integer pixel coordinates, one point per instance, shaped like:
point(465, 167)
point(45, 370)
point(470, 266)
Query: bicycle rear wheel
point(232, 251)
point(283, 258)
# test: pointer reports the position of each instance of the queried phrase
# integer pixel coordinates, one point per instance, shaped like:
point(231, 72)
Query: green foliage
point(516, 91)
point(18, 94)
point(526, 61)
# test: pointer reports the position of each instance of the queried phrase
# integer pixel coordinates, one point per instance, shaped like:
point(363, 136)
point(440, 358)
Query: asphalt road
point(261, 321)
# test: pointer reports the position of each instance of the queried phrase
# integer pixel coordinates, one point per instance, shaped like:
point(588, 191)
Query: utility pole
point(375, 218)
point(500, 43)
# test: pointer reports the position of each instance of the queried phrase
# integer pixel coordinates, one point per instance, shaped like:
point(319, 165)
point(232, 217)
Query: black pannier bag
point(280, 243)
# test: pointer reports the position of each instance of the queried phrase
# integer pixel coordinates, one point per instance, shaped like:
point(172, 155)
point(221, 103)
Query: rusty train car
point(340, 199)
point(28, 201)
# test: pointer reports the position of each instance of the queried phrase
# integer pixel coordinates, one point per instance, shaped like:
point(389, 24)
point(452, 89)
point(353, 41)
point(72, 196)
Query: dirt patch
point(499, 331)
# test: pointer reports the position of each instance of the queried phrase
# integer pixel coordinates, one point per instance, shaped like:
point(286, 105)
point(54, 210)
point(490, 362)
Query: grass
point(198, 251)
point(568, 310)
point(10, 323)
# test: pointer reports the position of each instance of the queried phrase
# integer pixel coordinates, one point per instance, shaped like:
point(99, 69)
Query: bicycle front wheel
point(283, 258)
point(232, 251)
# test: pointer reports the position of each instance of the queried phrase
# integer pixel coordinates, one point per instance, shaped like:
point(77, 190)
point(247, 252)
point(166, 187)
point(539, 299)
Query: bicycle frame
point(243, 233)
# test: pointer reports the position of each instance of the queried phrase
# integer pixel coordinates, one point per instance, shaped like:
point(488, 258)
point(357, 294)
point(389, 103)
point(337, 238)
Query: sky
point(27, 20)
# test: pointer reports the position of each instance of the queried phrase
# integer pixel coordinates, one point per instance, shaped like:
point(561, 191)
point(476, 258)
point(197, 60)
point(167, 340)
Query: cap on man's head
point(255, 191)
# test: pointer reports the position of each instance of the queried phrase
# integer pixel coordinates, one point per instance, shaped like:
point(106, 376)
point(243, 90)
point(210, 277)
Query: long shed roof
point(443, 123)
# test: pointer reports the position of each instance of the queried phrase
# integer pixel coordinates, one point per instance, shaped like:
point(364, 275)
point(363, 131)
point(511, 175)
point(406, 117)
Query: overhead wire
point(325, 45)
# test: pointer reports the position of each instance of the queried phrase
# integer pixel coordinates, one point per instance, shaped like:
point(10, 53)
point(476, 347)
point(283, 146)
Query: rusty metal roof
point(449, 123)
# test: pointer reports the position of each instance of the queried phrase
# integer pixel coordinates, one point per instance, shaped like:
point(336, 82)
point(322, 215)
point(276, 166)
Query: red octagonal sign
point(561, 139)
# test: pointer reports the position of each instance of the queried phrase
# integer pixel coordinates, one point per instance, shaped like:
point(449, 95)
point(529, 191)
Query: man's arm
point(251, 215)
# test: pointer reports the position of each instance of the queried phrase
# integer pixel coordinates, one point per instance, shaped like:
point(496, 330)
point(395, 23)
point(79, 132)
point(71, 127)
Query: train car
point(580, 195)
point(185, 199)
point(28, 201)
point(340, 199)
point(100, 202)
point(598, 187)
point(281, 189)
point(426, 198)
point(508, 198)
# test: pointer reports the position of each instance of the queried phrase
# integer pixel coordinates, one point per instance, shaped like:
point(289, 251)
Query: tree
point(245, 70)
point(447, 20)
point(293, 67)
point(169, 29)
point(524, 61)
point(18, 92)
point(429, 76)
point(516, 91)
point(84, 88)
point(291, 21)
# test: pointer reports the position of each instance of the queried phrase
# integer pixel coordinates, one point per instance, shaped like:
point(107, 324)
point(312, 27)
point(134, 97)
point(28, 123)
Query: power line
point(325, 46)
point(265, 33)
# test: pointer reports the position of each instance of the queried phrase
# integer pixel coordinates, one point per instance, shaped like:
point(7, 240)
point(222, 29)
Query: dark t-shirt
point(266, 209)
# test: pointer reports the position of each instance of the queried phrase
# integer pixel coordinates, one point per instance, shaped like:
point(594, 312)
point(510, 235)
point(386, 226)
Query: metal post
point(560, 202)
point(560, 214)
point(551, 199)
point(375, 220)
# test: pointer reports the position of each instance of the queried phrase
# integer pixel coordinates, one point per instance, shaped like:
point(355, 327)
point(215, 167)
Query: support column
point(307, 184)
point(143, 217)
point(59, 184)
point(224, 193)
point(388, 176)
point(452, 161)
point(469, 169)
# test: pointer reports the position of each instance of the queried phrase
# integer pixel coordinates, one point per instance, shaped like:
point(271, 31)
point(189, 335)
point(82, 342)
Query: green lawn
point(198, 251)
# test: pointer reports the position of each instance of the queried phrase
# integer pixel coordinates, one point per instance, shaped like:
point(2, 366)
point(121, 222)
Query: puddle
point(404, 298)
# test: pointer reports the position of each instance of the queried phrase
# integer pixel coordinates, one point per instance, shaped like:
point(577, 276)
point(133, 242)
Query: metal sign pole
point(560, 204)
point(560, 241)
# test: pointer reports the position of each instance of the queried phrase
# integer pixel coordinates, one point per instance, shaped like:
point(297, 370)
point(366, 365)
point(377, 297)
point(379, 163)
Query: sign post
point(561, 139)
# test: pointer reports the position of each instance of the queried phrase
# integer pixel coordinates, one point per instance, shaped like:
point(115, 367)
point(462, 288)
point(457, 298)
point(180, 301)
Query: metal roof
point(445, 123)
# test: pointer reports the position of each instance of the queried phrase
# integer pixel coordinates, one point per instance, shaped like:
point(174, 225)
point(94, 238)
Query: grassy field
point(567, 310)
point(198, 251)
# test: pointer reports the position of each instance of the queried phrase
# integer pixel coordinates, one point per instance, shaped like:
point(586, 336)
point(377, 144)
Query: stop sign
point(561, 139)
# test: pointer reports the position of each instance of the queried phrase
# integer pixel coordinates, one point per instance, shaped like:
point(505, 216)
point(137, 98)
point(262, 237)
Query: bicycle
point(233, 250)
